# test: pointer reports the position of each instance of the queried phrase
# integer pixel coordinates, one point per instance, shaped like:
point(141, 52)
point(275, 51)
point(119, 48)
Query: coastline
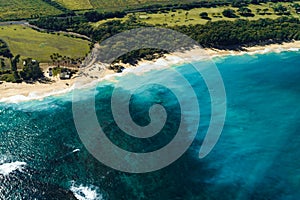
point(14, 93)
point(19, 92)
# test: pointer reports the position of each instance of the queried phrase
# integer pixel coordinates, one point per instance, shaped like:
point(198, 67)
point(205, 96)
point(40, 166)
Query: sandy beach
point(11, 92)
point(14, 93)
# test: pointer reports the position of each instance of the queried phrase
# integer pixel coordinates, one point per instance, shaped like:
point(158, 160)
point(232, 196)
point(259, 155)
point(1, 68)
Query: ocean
point(256, 157)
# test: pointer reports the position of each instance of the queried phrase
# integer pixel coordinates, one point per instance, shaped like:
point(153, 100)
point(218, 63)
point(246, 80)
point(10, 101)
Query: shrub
point(229, 13)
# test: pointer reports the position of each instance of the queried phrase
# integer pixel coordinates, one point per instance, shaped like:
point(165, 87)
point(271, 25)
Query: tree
point(280, 9)
point(31, 71)
point(229, 13)
point(2, 64)
point(14, 68)
point(246, 12)
point(4, 50)
point(239, 3)
point(14, 63)
point(186, 15)
point(204, 15)
point(258, 10)
point(93, 16)
point(297, 7)
point(132, 18)
point(265, 10)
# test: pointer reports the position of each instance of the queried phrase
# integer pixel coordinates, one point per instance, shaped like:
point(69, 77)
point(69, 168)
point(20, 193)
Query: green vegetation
point(4, 50)
point(178, 17)
point(75, 4)
point(245, 12)
point(229, 13)
point(16, 9)
point(31, 70)
point(170, 18)
point(19, 40)
point(39, 46)
point(117, 5)
point(14, 68)
point(204, 15)
point(157, 5)
point(223, 26)
point(218, 34)
point(58, 60)
point(25, 9)
point(235, 34)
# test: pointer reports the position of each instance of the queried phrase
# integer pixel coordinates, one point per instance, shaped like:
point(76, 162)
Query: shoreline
point(14, 93)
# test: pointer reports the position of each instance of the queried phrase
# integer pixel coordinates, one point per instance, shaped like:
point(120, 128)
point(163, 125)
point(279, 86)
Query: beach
point(17, 92)
point(12, 92)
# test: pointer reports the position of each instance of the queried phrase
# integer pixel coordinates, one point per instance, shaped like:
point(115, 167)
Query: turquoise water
point(257, 156)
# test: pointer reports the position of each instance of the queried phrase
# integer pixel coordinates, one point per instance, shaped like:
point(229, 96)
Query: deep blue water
point(257, 156)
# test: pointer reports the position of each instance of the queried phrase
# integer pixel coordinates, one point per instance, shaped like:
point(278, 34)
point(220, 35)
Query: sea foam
point(7, 168)
point(82, 192)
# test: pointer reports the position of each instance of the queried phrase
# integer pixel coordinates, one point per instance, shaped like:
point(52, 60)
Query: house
point(65, 75)
point(28, 60)
point(50, 72)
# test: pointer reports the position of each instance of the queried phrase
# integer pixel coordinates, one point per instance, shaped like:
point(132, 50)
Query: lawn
point(75, 4)
point(16, 9)
point(30, 43)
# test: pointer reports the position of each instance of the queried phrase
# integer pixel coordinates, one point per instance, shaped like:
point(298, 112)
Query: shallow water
point(257, 156)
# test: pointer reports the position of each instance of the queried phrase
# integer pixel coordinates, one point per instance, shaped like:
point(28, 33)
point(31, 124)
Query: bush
point(229, 13)
point(239, 3)
point(8, 78)
point(32, 71)
point(204, 15)
point(4, 50)
point(246, 12)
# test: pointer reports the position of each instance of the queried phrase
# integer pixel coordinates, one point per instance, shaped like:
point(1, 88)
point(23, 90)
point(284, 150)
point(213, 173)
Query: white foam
point(270, 50)
point(82, 192)
point(293, 49)
point(7, 168)
point(34, 96)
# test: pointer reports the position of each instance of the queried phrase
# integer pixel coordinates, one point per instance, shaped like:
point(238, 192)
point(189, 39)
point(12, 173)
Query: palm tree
point(14, 62)
point(2, 64)
point(186, 15)
point(258, 10)
point(266, 10)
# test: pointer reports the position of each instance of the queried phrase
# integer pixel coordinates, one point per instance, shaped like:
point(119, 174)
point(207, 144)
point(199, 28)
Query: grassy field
point(183, 17)
point(75, 4)
point(126, 4)
point(16, 9)
point(113, 5)
point(30, 43)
